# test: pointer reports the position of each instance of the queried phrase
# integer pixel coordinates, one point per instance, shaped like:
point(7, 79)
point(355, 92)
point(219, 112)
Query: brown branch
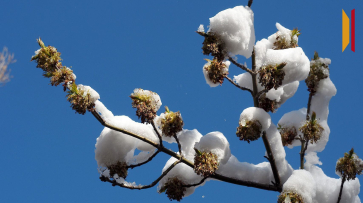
point(235, 84)
point(341, 188)
point(196, 184)
point(271, 159)
point(157, 132)
point(250, 3)
point(184, 160)
point(246, 183)
point(243, 67)
point(260, 93)
point(140, 187)
point(179, 145)
point(142, 163)
point(309, 104)
point(254, 79)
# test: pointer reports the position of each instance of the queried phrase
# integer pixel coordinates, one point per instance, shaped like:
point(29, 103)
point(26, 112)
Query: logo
point(345, 30)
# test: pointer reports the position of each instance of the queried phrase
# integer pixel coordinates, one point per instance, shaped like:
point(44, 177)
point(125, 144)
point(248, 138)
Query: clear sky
point(47, 151)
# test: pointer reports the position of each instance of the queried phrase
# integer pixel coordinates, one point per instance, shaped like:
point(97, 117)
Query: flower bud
point(290, 197)
point(288, 134)
point(216, 70)
point(271, 76)
point(62, 75)
point(268, 104)
point(174, 189)
point(312, 130)
point(319, 69)
point(282, 41)
point(48, 59)
point(213, 45)
point(249, 130)
point(172, 123)
point(350, 165)
point(205, 163)
point(147, 103)
point(120, 168)
point(79, 99)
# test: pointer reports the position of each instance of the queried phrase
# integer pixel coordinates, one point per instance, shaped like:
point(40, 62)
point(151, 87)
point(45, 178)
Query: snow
point(113, 146)
point(253, 114)
point(236, 28)
point(216, 143)
point(94, 96)
point(298, 64)
point(103, 111)
point(327, 189)
point(200, 28)
point(302, 183)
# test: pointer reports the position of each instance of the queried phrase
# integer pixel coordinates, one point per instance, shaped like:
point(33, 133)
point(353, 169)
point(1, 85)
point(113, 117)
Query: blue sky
point(47, 151)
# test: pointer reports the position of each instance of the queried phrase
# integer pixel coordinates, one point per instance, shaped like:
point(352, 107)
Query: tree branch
point(142, 163)
point(250, 3)
point(179, 145)
point(196, 184)
point(183, 160)
point(254, 80)
point(235, 84)
point(157, 132)
point(243, 67)
point(271, 159)
point(140, 187)
point(260, 93)
point(341, 189)
point(309, 104)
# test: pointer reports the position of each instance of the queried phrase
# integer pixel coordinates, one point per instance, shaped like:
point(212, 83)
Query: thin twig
point(142, 163)
point(243, 67)
point(140, 187)
point(302, 153)
point(196, 184)
point(309, 104)
point(157, 132)
point(341, 189)
point(250, 3)
point(271, 159)
point(235, 84)
point(179, 145)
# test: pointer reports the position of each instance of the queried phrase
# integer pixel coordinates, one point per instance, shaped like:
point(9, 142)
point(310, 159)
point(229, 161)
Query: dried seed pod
point(249, 130)
point(350, 165)
point(288, 134)
point(290, 197)
point(318, 70)
point(271, 76)
point(174, 189)
point(268, 104)
point(283, 43)
point(205, 163)
point(312, 130)
point(147, 103)
point(172, 123)
point(216, 70)
point(120, 168)
point(213, 45)
point(79, 99)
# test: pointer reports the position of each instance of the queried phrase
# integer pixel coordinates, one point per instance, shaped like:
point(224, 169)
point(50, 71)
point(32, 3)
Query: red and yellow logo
point(345, 30)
